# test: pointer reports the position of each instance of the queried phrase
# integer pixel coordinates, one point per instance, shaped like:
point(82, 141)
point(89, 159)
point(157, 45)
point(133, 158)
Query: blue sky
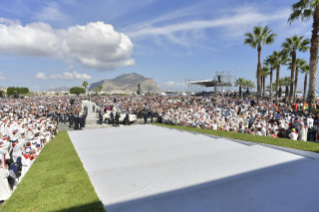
point(45, 44)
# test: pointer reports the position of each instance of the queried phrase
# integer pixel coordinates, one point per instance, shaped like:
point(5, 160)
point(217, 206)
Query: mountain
point(127, 83)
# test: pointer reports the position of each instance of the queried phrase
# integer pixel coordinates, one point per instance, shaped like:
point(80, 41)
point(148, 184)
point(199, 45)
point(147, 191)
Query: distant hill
point(127, 83)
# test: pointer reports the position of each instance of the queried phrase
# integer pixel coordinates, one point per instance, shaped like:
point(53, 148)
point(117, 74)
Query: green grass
point(57, 181)
point(307, 146)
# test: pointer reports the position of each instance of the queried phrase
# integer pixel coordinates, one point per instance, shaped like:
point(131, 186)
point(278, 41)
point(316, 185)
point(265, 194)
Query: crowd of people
point(26, 126)
point(225, 113)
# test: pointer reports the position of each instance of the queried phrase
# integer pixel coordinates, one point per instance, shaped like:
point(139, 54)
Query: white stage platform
point(149, 168)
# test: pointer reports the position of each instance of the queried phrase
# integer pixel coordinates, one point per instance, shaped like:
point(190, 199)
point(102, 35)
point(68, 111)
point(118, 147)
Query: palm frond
point(305, 69)
point(257, 31)
point(294, 16)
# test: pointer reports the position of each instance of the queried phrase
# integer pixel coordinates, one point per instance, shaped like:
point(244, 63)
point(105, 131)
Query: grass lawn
point(57, 181)
point(308, 146)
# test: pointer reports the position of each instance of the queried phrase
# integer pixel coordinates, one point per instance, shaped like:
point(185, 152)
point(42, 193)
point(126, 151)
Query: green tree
point(240, 82)
point(286, 83)
point(306, 10)
point(291, 46)
point(264, 73)
point(77, 90)
point(96, 90)
point(260, 36)
point(249, 85)
point(10, 91)
point(100, 87)
point(280, 58)
point(281, 83)
point(270, 61)
point(305, 70)
point(299, 64)
point(85, 84)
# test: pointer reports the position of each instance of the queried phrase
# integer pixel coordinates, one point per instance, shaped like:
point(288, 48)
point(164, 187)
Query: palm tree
point(286, 82)
point(305, 70)
point(292, 45)
point(249, 85)
point(100, 87)
point(270, 62)
point(255, 40)
point(281, 83)
point(240, 82)
point(305, 10)
point(85, 84)
point(299, 64)
point(280, 58)
point(264, 73)
point(96, 90)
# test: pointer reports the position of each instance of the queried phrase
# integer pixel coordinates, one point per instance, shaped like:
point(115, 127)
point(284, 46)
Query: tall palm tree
point(291, 46)
point(270, 62)
point(305, 10)
point(281, 83)
point(240, 82)
point(305, 70)
point(299, 63)
point(100, 87)
point(280, 58)
point(255, 40)
point(264, 73)
point(85, 84)
point(286, 82)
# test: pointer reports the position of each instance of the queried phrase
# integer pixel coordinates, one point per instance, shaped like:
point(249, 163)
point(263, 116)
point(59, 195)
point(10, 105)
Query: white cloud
point(95, 45)
point(238, 69)
point(175, 84)
point(243, 17)
point(41, 76)
point(3, 77)
point(50, 12)
point(171, 85)
point(66, 75)
point(191, 27)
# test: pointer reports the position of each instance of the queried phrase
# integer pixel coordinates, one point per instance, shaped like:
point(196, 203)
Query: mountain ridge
point(127, 83)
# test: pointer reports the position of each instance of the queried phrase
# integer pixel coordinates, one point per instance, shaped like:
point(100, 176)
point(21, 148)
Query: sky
point(48, 44)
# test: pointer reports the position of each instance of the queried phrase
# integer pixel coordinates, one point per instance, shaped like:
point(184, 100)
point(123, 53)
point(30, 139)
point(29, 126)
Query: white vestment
point(5, 191)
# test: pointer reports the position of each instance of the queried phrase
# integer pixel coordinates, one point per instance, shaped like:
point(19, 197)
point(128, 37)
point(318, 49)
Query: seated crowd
point(226, 113)
point(26, 126)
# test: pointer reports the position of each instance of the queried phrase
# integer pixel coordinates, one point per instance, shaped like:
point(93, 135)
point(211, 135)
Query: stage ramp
point(150, 168)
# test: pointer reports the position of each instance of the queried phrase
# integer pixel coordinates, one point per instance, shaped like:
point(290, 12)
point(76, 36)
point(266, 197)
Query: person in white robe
point(310, 122)
point(5, 190)
point(18, 148)
point(3, 152)
point(302, 132)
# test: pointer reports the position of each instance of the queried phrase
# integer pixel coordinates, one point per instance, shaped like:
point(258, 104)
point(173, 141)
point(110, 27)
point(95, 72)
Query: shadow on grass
point(92, 207)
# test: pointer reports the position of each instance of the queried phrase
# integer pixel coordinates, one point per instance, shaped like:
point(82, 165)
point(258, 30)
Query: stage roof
point(210, 83)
